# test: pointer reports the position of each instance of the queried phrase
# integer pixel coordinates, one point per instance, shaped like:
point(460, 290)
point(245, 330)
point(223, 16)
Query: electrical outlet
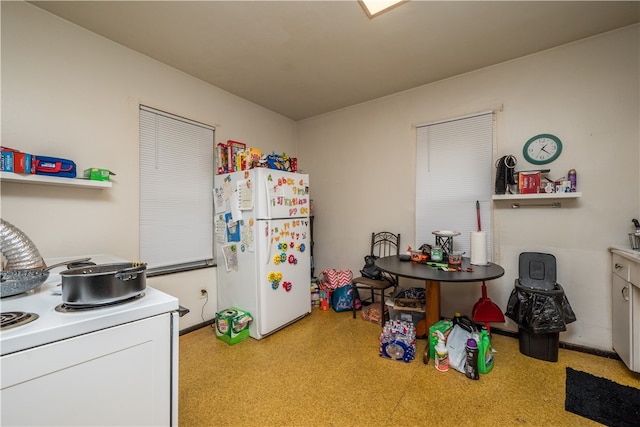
point(203, 293)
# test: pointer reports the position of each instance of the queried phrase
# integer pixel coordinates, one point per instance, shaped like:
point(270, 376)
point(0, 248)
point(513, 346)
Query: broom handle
point(484, 286)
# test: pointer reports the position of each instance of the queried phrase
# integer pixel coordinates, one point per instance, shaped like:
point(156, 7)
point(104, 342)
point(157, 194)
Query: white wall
point(586, 93)
point(69, 93)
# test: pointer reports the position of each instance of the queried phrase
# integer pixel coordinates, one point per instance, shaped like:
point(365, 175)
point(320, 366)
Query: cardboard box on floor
point(445, 326)
point(232, 325)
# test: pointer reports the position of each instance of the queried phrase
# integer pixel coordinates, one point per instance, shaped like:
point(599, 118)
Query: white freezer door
point(280, 194)
point(284, 273)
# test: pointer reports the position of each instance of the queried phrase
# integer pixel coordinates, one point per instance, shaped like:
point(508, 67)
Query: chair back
point(385, 243)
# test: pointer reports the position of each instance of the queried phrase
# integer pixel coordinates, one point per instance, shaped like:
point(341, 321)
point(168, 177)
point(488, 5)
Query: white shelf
point(536, 196)
point(53, 180)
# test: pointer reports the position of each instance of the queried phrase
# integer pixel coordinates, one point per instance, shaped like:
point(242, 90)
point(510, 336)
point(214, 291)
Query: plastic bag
point(456, 345)
point(540, 311)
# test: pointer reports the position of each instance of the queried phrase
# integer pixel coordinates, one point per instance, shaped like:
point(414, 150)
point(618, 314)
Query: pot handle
point(131, 273)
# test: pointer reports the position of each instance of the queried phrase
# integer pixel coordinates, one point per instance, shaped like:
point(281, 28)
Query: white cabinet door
point(116, 376)
point(621, 309)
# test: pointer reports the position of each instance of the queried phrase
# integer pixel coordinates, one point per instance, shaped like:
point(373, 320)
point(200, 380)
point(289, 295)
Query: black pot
point(103, 284)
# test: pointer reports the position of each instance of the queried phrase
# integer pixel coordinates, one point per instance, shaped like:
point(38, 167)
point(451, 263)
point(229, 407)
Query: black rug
point(602, 400)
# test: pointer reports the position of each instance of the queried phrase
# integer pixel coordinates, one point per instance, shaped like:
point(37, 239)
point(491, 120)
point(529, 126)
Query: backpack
point(370, 269)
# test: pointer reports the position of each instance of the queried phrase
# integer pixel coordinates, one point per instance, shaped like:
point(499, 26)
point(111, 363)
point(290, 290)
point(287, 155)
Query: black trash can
point(539, 346)
point(540, 307)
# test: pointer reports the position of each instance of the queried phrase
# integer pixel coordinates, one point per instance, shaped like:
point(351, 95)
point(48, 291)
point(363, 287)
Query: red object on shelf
point(529, 182)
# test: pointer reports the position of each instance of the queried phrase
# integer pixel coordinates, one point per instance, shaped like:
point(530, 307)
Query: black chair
point(382, 244)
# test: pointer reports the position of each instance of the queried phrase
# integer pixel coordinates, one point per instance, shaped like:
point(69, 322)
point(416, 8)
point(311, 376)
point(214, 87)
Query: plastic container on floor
point(441, 360)
point(471, 364)
point(485, 352)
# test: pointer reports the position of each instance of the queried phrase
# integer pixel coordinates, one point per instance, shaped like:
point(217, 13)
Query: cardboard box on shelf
point(12, 160)
point(529, 182)
point(222, 156)
point(6, 161)
point(23, 162)
point(234, 150)
point(254, 156)
point(97, 174)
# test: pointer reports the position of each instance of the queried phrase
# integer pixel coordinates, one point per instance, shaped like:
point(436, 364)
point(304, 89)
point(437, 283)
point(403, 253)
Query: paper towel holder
point(553, 205)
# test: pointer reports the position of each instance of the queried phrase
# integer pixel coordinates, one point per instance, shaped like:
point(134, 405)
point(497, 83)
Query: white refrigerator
point(263, 246)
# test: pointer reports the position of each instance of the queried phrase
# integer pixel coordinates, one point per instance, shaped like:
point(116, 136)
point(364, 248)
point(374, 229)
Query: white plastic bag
point(456, 345)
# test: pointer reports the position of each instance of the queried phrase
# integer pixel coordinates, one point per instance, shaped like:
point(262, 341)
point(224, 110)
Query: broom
point(485, 310)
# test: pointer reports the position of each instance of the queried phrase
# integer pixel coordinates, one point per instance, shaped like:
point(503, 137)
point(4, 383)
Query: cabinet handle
point(625, 293)
point(618, 266)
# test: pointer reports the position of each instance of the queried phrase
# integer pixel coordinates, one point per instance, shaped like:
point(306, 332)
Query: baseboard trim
point(565, 345)
point(196, 327)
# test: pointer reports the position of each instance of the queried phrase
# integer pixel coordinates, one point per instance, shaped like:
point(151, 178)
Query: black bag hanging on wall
point(505, 167)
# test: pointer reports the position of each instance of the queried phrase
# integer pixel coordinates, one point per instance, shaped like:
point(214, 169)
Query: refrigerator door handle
point(267, 195)
point(267, 241)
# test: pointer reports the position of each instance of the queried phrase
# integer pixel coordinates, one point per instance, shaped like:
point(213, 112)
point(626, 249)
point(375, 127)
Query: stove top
point(13, 319)
point(50, 325)
point(69, 308)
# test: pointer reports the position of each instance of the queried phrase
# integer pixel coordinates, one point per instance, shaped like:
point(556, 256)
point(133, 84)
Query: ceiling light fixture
point(374, 8)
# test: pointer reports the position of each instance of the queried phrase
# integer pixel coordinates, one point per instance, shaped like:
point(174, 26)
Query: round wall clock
point(542, 149)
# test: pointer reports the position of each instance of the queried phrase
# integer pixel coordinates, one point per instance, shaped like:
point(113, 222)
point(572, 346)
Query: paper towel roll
point(479, 248)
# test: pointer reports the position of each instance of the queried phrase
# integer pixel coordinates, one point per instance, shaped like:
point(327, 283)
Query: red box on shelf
point(529, 182)
point(234, 149)
point(23, 163)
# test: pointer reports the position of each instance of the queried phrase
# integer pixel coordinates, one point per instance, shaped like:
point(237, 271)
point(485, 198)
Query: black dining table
point(433, 276)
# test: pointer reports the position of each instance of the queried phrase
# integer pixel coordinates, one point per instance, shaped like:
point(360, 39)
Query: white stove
point(134, 342)
point(53, 325)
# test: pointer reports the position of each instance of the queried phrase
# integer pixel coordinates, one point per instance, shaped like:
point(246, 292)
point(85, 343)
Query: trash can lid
point(537, 270)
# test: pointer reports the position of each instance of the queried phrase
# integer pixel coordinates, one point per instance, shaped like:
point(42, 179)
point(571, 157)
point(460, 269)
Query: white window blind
point(176, 201)
point(454, 170)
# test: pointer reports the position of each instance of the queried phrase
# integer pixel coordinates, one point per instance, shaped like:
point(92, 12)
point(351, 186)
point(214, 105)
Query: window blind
point(176, 201)
point(454, 170)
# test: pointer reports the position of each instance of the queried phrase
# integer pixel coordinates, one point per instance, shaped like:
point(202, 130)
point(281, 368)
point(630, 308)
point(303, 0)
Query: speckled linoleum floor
point(324, 370)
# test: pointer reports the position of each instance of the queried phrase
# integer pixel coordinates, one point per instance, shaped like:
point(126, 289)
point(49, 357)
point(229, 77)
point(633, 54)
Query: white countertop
point(626, 252)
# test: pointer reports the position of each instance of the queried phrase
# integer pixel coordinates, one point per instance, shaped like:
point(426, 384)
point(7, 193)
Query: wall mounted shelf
point(553, 199)
point(53, 180)
point(536, 196)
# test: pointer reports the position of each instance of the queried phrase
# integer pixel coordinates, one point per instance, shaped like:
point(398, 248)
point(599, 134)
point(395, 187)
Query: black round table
point(433, 276)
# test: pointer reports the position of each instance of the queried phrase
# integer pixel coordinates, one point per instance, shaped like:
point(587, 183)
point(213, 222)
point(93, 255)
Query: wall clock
point(542, 149)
